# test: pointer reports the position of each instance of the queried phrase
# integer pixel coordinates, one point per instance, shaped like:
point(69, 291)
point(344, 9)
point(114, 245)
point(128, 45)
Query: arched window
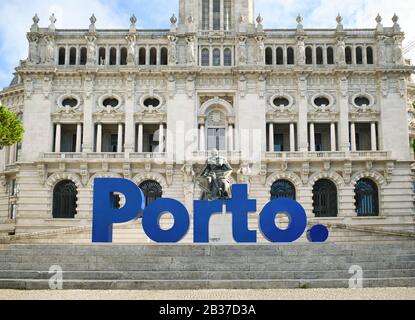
point(62, 56)
point(216, 57)
point(319, 55)
point(330, 55)
point(124, 53)
point(205, 57)
point(268, 56)
point(359, 55)
point(64, 200)
point(349, 59)
point(227, 57)
point(280, 56)
point(142, 56)
point(152, 191)
point(164, 56)
point(369, 55)
point(84, 54)
point(325, 199)
point(102, 56)
point(309, 55)
point(72, 56)
point(153, 56)
point(216, 130)
point(113, 56)
point(367, 198)
point(283, 189)
point(290, 55)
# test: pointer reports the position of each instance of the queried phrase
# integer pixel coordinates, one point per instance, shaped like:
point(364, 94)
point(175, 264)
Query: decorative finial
point(52, 20)
point(93, 19)
point(299, 19)
point(36, 19)
point(339, 19)
point(133, 19)
point(35, 26)
point(92, 27)
point(173, 19)
point(259, 19)
point(396, 26)
point(378, 18)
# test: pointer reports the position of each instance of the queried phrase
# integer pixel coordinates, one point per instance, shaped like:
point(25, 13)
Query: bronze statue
point(214, 178)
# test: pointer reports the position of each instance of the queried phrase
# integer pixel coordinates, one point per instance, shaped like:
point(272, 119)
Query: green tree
point(11, 129)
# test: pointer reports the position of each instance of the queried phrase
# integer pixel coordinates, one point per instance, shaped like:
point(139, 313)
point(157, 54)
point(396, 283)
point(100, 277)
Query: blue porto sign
point(105, 215)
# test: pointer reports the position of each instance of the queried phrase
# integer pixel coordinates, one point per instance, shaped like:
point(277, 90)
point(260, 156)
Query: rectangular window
point(12, 212)
point(278, 142)
point(216, 139)
point(216, 14)
point(12, 187)
point(205, 14)
point(319, 142)
point(114, 142)
point(227, 15)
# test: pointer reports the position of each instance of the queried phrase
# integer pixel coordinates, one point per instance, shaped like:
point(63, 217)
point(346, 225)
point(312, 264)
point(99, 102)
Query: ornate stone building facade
point(315, 115)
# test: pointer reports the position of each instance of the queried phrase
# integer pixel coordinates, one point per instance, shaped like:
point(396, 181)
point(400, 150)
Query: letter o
point(151, 221)
point(297, 217)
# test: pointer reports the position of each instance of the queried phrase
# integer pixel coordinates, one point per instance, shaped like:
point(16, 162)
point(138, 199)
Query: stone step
point(211, 275)
point(21, 284)
point(212, 266)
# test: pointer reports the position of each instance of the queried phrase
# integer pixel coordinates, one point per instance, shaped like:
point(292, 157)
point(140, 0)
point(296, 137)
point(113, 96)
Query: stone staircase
point(162, 267)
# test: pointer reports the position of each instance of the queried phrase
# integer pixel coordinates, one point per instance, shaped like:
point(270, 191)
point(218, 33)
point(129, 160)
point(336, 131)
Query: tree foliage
point(11, 129)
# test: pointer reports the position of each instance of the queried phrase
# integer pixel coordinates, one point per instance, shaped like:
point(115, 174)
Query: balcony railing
point(148, 155)
point(230, 155)
point(370, 155)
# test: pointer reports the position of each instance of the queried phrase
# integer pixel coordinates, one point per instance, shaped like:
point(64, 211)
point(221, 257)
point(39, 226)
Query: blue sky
point(155, 14)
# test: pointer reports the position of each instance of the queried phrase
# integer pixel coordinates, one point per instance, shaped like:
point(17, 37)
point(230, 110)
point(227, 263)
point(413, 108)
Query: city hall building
point(316, 115)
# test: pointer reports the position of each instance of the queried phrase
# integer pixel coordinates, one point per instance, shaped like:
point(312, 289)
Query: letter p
point(104, 213)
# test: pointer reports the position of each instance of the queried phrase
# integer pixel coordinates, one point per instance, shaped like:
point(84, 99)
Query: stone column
point(99, 137)
point(161, 138)
point(120, 138)
point(12, 154)
point(312, 138)
point(373, 136)
point(78, 137)
point(271, 138)
point(230, 135)
point(333, 137)
point(140, 138)
point(292, 137)
point(202, 138)
point(221, 16)
point(353, 136)
point(58, 135)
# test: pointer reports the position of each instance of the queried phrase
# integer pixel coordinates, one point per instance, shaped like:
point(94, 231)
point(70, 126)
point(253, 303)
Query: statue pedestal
point(220, 228)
